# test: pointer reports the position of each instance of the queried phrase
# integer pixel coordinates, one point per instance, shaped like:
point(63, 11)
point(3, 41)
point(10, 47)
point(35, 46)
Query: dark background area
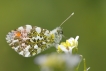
point(89, 22)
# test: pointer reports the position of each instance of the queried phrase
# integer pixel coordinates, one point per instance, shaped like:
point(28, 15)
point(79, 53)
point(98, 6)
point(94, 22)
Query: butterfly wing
point(30, 40)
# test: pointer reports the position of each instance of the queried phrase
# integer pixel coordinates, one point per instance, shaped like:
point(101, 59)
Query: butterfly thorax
point(58, 33)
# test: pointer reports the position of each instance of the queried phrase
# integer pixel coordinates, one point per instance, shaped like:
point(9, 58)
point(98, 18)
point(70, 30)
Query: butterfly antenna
point(66, 19)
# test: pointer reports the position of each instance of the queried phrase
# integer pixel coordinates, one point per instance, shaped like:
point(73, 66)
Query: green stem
point(84, 65)
point(77, 67)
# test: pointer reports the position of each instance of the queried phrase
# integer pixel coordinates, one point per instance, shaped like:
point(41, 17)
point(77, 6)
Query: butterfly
point(30, 40)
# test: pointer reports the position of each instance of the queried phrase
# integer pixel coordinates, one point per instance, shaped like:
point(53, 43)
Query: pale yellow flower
point(68, 45)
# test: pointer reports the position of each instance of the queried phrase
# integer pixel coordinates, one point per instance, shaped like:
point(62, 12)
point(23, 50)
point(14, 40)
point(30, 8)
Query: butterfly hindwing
point(30, 40)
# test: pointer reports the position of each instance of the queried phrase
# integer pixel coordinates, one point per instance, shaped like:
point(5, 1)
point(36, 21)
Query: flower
point(61, 62)
point(68, 46)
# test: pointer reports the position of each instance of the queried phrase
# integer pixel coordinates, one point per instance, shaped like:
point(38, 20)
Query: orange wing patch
point(17, 34)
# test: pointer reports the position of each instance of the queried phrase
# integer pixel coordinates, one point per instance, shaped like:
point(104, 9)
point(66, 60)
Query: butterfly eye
point(17, 34)
point(61, 32)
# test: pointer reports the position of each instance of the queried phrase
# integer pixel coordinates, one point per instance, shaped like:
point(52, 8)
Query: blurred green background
point(89, 22)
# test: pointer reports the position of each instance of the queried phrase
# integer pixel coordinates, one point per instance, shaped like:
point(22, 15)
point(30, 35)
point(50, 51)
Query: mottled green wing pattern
point(29, 41)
